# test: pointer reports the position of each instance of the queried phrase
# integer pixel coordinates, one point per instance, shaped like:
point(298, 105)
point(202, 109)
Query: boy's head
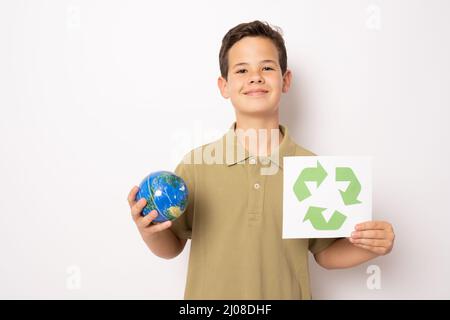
point(253, 57)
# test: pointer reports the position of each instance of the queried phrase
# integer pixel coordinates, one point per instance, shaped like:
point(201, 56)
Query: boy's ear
point(223, 86)
point(287, 78)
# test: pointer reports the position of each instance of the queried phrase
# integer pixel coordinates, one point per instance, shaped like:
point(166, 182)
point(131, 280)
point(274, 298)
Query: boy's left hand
point(375, 236)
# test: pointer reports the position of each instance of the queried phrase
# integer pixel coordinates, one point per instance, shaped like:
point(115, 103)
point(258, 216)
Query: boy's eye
point(240, 70)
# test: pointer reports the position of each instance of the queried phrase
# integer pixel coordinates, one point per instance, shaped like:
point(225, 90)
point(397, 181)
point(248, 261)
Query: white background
point(94, 95)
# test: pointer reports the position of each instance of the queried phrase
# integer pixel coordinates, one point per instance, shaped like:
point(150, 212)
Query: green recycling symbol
point(349, 196)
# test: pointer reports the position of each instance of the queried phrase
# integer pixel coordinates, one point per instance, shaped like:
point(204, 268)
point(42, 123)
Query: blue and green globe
point(166, 193)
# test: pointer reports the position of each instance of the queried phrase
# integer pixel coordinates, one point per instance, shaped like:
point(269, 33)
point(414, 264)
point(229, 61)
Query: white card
point(325, 197)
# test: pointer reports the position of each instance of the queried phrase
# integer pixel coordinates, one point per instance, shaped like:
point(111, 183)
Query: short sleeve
point(318, 244)
point(182, 226)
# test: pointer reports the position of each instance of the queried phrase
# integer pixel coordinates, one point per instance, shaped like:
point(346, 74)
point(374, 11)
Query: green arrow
point(314, 214)
point(350, 195)
point(317, 174)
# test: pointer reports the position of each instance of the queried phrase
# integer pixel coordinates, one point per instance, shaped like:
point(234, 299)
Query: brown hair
point(252, 29)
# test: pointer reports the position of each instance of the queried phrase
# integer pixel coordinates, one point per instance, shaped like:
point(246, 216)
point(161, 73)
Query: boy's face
point(255, 74)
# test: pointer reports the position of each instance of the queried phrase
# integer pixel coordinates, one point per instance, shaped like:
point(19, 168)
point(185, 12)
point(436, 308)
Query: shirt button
point(256, 186)
point(252, 161)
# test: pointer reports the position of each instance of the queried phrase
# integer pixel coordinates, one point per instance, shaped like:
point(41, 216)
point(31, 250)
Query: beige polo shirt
point(234, 221)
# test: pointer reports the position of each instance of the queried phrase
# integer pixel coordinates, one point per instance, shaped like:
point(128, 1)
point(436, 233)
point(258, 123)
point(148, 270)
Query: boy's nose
point(255, 76)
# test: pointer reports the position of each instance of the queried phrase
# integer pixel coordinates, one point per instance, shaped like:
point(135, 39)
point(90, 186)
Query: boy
point(234, 214)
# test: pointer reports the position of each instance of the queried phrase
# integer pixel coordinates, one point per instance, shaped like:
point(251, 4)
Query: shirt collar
point(236, 152)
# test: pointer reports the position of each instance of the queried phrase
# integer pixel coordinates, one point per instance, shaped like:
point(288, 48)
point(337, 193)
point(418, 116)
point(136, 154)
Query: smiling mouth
point(256, 94)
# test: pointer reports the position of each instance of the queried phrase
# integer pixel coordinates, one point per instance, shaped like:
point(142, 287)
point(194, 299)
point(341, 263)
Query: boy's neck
point(270, 140)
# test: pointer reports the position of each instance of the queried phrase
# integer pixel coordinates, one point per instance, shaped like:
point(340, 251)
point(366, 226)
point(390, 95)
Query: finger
point(371, 242)
point(145, 221)
point(132, 196)
point(369, 234)
point(372, 225)
point(160, 226)
point(377, 250)
point(137, 208)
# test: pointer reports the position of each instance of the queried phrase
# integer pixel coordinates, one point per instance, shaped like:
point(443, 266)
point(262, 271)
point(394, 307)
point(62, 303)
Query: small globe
point(166, 193)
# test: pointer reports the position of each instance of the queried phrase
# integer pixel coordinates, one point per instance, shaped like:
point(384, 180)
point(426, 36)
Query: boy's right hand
point(144, 223)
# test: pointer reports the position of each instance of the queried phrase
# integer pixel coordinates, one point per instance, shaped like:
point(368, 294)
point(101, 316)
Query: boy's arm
point(370, 240)
point(164, 244)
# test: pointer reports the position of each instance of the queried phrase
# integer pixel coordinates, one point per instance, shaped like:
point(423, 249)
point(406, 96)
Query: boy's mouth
point(256, 93)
